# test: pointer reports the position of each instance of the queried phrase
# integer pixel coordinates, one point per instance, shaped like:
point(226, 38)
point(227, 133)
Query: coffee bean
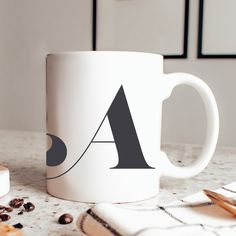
point(16, 202)
point(18, 226)
point(65, 219)
point(8, 209)
point(5, 208)
point(2, 209)
point(29, 206)
point(4, 217)
point(20, 213)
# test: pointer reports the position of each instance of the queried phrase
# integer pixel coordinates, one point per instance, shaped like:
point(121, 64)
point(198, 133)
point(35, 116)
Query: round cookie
point(8, 230)
point(4, 180)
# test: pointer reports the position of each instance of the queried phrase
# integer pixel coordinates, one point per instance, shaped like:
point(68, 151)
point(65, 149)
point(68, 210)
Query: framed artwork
point(217, 31)
point(142, 25)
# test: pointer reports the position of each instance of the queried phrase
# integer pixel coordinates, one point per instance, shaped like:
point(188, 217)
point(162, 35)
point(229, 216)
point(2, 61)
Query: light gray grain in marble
point(24, 154)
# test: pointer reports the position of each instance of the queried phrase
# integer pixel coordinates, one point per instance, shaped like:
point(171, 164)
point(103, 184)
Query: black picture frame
point(200, 54)
point(174, 56)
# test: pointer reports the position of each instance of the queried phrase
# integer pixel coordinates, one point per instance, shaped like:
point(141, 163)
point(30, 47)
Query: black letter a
point(124, 133)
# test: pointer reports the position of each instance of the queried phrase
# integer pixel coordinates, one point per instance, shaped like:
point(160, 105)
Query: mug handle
point(167, 168)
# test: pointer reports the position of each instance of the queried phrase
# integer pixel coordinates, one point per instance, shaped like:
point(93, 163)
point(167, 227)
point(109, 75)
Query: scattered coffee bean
point(29, 206)
point(8, 209)
point(20, 213)
point(4, 217)
point(2, 209)
point(18, 226)
point(16, 202)
point(65, 219)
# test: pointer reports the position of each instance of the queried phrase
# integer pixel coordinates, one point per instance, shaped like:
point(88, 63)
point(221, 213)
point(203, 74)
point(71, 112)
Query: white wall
point(31, 28)
point(184, 118)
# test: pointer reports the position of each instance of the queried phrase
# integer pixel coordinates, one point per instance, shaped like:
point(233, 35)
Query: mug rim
point(67, 53)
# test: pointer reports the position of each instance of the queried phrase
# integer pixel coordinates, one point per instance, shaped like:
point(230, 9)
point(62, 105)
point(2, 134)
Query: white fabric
point(194, 215)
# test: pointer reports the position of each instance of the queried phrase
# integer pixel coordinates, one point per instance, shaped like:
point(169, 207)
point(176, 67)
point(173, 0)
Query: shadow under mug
point(104, 112)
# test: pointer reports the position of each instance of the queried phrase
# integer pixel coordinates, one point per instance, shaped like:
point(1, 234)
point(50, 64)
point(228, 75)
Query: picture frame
point(201, 34)
point(182, 55)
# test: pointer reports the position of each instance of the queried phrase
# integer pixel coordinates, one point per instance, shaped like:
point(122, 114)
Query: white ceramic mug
point(104, 114)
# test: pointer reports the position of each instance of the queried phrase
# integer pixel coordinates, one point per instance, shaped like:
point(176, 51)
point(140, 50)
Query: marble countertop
point(24, 154)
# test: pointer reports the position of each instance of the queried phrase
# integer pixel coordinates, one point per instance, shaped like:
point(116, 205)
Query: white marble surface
point(24, 154)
